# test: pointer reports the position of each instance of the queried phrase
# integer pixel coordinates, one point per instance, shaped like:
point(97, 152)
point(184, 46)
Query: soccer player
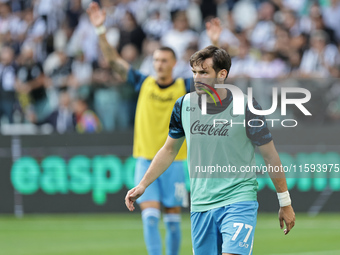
point(223, 204)
point(157, 97)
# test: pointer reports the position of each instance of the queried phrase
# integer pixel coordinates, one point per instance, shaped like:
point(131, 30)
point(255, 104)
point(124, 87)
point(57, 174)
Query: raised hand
point(214, 30)
point(97, 16)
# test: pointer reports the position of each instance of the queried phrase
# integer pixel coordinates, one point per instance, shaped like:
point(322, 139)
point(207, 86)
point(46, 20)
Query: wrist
point(284, 198)
point(142, 185)
point(215, 43)
point(100, 30)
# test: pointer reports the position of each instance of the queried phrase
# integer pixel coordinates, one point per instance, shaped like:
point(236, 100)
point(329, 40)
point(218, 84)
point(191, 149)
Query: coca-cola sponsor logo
point(198, 128)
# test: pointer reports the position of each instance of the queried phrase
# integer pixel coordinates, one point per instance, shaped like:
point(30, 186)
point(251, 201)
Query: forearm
point(273, 162)
point(109, 52)
point(159, 164)
point(215, 42)
point(111, 55)
point(163, 159)
point(278, 178)
point(214, 30)
point(274, 166)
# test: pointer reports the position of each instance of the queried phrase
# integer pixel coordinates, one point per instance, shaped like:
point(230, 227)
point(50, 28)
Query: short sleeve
point(188, 82)
point(176, 130)
point(258, 133)
point(136, 78)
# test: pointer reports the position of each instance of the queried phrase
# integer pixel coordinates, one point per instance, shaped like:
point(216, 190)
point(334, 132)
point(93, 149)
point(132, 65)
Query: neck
point(164, 80)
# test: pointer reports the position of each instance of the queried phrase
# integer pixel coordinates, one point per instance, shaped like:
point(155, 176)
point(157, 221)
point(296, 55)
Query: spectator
point(291, 22)
point(33, 31)
point(306, 21)
point(262, 35)
point(175, 5)
point(156, 26)
point(270, 66)
point(31, 83)
point(183, 68)
point(294, 61)
point(106, 98)
point(180, 36)
point(283, 42)
point(73, 13)
point(116, 17)
point(7, 84)
point(130, 53)
point(57, 35)
point(51, 11)
point(321, 59)
point(8, 21)
point(238, 9)
point(81, 70)
point(86, 120)
point(130, 33)
point(318, 24)
point(62, 119)
point(58, 67)
point(62, 37)
point(296, 6)
point(331, 16)
point(208, 8)
point(20, 5)
point(84, 39)
point(243, 62)
point(333, 100)
point(300, 43)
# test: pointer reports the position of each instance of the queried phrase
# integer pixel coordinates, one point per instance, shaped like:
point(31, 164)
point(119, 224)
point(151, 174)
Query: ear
point(174, 62)
point(222, 74)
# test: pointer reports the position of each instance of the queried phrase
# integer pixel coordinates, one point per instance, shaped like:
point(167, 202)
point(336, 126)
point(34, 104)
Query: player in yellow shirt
point(157, 96)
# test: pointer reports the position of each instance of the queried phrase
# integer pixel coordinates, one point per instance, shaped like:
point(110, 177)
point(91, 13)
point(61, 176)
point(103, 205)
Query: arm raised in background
point(272, 160)
point(97, 17)
point(214, 30)
point(163, 159)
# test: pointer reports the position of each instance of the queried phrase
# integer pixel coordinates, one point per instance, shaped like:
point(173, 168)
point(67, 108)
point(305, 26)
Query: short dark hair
point(221, 59)
point(164, 48)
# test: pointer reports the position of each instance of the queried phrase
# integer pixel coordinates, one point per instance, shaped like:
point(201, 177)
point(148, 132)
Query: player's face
point(204, 74)
point(163, 62)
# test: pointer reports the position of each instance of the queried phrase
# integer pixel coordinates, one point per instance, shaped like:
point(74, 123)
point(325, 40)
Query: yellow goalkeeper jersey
point(153, 112)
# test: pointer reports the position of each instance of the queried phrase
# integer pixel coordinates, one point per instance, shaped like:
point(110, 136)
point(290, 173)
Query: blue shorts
point(168, 189)
point(227, 229)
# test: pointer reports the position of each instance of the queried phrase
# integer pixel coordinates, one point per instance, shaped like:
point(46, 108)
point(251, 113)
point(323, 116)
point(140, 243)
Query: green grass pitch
point(118, 234)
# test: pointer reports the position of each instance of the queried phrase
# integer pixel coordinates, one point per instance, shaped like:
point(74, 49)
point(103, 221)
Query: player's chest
point(153, 96)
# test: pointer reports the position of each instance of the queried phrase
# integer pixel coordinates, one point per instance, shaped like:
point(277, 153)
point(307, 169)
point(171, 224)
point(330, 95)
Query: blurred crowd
point(52, 70)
